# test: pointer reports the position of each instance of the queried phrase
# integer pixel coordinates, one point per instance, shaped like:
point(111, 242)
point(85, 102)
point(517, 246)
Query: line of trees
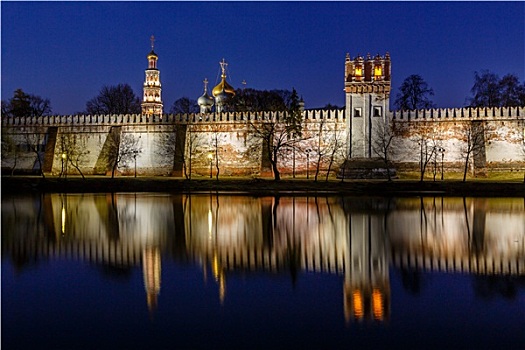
point(23, 104)
point(488, 90)
point(491, 91)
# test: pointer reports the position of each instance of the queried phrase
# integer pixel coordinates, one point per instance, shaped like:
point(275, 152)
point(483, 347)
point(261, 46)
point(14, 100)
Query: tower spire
point(152, 101)
point(205, 81)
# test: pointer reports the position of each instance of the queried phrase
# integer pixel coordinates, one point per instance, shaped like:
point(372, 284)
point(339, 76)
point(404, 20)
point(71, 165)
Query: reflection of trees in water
point(413, 280)
point(117, 273)
point(493, 286)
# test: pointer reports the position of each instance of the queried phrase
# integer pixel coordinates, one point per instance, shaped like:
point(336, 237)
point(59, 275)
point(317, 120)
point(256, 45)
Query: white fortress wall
point(503, 128)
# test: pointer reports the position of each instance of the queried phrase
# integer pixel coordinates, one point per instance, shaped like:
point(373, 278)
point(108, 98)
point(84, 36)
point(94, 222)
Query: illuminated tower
point(367, 88)
point(367, 282)
point(152, 101)
point(151, 272)
point(223, 92)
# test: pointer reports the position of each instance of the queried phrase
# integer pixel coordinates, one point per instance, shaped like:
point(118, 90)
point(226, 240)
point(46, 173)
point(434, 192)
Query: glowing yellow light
point(358, 71)
point(358, 304)
point(63, 156)
point(216, 268)
point(377, 71)
point(63, 220)
point(210, 221)
point(377, 304)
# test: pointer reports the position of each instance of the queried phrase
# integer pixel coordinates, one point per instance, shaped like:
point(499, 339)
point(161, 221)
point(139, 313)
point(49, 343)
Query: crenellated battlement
point(138, 119)
point(467, 113)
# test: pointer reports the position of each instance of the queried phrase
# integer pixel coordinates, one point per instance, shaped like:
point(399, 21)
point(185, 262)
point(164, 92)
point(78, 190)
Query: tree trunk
point(78, 169)
point(113, 170)
point(388, 171)
point(329, 169)
point(276, 174)
point(317, 168)
point(466, 168)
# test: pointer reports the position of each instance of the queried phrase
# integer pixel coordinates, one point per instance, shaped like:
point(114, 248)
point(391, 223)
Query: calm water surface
point(158, 271)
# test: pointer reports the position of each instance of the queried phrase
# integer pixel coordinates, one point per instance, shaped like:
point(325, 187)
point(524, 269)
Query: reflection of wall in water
point(115, 229)
point(291, 234)
point(472, 234)
point(246, 232)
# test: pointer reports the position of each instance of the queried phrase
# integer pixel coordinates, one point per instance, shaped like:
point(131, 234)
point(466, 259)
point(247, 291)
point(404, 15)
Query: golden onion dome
point(152, 54)
point(223, 86)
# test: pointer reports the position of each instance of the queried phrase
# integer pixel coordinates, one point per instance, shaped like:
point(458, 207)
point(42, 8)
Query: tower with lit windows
point(367, 89)
point(367, 282)
point(152, 100)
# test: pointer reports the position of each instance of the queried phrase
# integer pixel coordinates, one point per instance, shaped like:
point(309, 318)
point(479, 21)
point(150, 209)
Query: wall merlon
point(138, 119)
point(467, 113)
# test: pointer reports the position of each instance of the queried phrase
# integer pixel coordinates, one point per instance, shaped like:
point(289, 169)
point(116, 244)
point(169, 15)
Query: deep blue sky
point(66, 51)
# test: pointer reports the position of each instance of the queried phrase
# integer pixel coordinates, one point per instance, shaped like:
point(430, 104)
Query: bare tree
point(326, 148)
point(473, 135)
point(39, 106)
point(72, 151)
point(119, 99)
point(193, 142)
point(486, 90)
point(319, 148)
point(121, 149)
point(414, 93)
point(184, 105)
point(10, 151)
point(336, 146)
point(215, 144)
point(382, 145)
point(276, 137)
point(25, 105)
point(35, 143)
point(427, 147)
point(281, 133)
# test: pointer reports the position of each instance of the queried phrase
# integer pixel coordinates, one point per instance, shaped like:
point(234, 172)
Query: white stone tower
point(367, 88)
point(152, 101)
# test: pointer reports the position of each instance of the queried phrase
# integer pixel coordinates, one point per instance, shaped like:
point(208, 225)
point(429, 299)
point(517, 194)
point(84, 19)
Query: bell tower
point(367, 89)
point(152, 100)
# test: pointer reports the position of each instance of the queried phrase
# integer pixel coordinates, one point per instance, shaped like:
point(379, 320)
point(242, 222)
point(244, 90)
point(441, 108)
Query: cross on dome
point(223, 67)
point(152, 39)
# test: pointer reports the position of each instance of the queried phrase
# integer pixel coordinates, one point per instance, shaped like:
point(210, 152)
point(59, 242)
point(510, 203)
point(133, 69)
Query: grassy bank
point(398, 187)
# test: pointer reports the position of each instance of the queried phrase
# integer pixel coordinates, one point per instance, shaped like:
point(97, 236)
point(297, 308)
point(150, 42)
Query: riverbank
point(99, 184)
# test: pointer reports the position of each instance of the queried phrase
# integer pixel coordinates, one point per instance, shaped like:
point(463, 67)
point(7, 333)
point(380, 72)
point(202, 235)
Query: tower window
point(377, 72)
point(377, 111)
point(357, 112)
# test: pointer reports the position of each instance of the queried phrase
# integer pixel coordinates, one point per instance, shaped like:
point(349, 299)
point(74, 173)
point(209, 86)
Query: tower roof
point(152, 54)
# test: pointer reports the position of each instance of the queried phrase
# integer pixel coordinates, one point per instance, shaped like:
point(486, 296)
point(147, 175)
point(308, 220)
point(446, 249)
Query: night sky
point(66, 51)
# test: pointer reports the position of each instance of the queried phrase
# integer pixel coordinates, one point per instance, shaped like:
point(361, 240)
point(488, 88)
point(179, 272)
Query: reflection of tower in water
point(151, 269)
point(367, 284)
